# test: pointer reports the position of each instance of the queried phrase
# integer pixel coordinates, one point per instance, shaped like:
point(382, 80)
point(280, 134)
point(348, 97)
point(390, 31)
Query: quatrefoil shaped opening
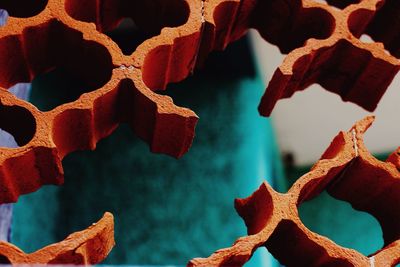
point(17, 122)
point(366, 184)
point(4, 260)
point(381, 25)
point(289, 25)
point(53, 46)
point(23, 9)
point(292, 247)
point(342, 4)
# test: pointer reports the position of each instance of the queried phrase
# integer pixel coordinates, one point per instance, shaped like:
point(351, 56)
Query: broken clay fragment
point(348, 172)
point(87, 247)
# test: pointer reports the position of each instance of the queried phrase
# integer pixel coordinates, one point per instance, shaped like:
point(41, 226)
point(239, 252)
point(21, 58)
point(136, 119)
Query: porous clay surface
point(348, 172)
point(174, 37)
point(323, 46)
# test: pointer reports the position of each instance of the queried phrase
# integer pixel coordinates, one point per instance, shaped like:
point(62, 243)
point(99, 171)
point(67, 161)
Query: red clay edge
point(348, 172)
point(322, 43)
point(87, 247)
point(64, 34)
point(324, 47)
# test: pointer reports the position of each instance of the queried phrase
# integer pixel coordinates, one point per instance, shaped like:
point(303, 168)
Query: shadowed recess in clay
point(21, 91)
point(130, 23)
point(59, 86)
point(342, 3)
point(289, 25)
point(345, 178)
point(289, 239)
point(341, 183)
point(128, 36)
point(89, 61)
point(343, 73)
point(23, 8)
point(17, 122)
point(4, 260)
point(381, 189)
point(385, 26)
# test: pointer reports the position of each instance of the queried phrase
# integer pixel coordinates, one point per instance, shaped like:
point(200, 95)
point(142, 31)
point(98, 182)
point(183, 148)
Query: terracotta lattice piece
point(90, 246)
point(43, 35)
point(348, 172)
point(172, 38)
point(324, 46)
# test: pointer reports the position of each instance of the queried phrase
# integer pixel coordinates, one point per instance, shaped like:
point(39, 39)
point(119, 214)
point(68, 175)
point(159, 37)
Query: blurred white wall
point(306, 123)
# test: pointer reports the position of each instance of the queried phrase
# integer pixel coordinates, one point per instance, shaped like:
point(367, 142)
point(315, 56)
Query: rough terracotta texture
point(322, 41)
point(172, 38)
point(323, 45)
point(43, 35)
point(349, 173)
point(90, 246)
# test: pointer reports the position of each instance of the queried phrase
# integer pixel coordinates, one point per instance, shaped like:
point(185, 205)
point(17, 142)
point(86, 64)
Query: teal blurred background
point(168, 211)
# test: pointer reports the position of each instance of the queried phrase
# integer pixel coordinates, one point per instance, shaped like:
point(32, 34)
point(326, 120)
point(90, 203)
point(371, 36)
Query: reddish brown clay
point(322, 42)
point(41, 35)
point(324, 47)
point(90, 246)
point(67, 34)
point(395, 158)
point(348, 172)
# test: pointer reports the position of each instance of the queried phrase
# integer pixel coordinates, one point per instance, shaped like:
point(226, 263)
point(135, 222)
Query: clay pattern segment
point(348, 172)
point(115, 87)
point(121, 88)
point(87, 247)
point(322, 41)
point(358, 72)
